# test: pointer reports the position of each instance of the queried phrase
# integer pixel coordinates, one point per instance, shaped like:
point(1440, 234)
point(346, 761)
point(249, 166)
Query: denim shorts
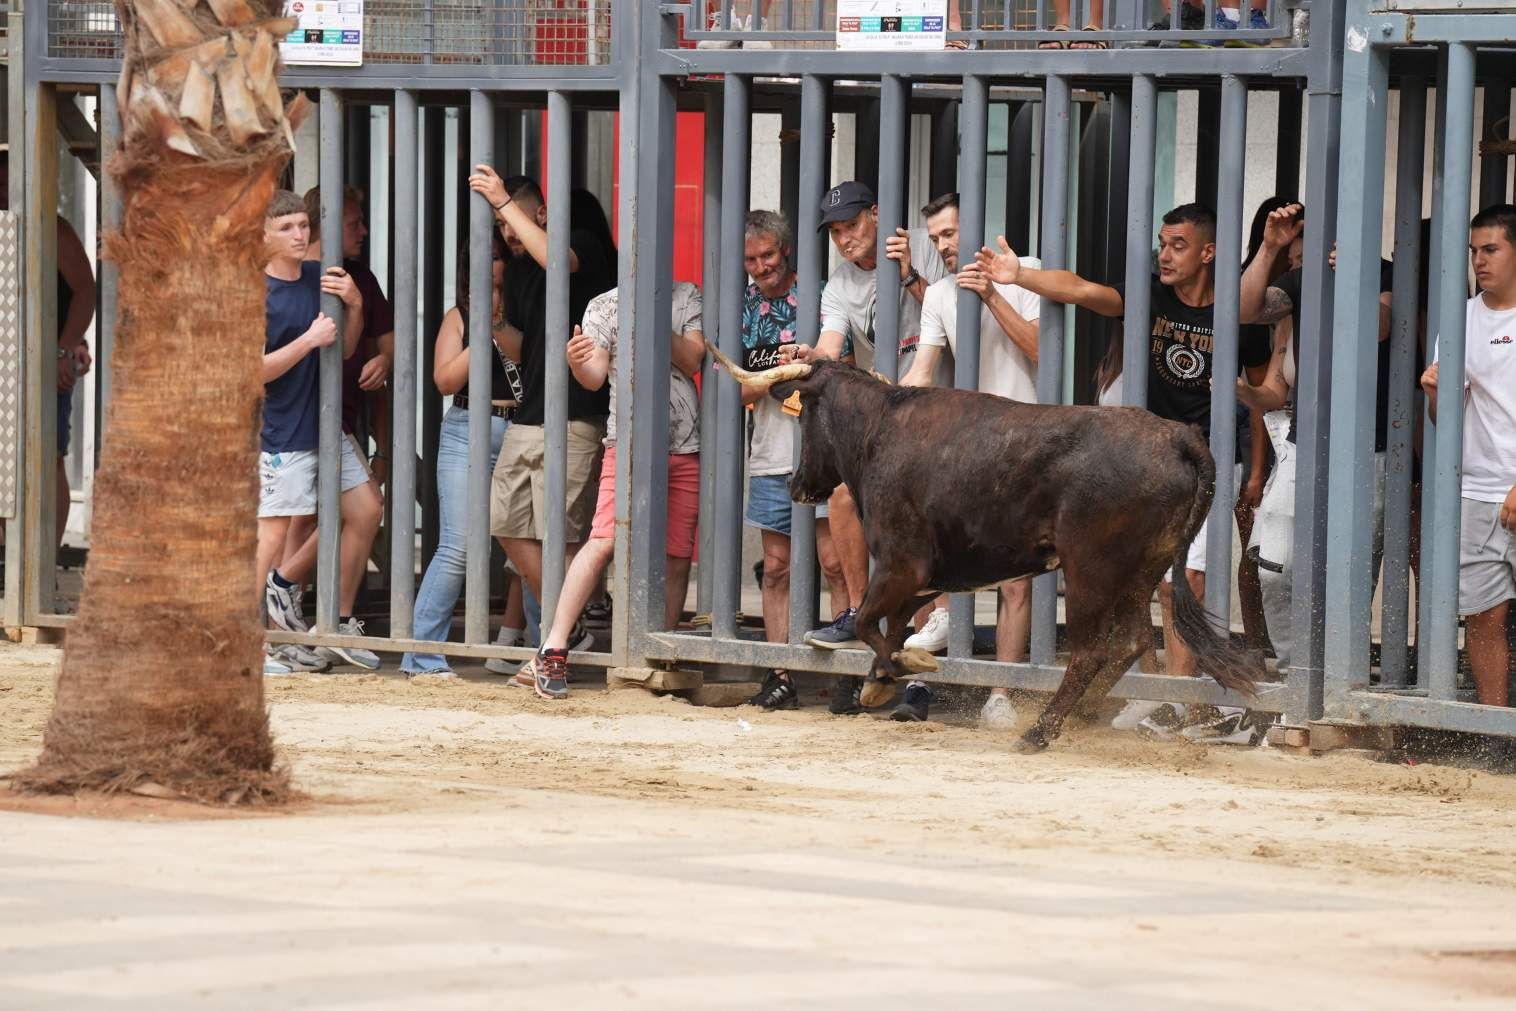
point(65, 419)
point(768, 502)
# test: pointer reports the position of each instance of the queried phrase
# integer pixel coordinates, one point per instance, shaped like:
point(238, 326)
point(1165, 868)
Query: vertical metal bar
point(329, 457)
point(1452, 282)
point(628, 25)
point(1492, 167)
point(737, 128)
point(815, 151)
point(1313, 414)
point(1233, 109)
point(433, 303)
point(1053, 215)
point(481, 349)
point(555, 343)
point(1424, 610)
point(710, 387)
point(1349, 583)
point(648, 415)
point(894, 109)
point(403, 380)
point(974, 120)
point(1118, 170)
point(1136, 321)
point(1404, 332)
point(110, 221)
point(40, 256)
point(789, 15)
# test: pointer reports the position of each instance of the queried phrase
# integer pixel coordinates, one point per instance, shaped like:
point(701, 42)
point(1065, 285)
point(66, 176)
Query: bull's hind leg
point(893, 597)
point(1131, 634)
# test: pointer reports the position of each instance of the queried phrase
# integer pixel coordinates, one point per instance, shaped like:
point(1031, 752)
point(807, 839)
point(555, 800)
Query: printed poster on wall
point(329, 33)
point(891, 24)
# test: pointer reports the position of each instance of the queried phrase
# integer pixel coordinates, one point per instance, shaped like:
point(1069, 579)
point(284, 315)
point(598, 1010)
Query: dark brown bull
point(958, 491)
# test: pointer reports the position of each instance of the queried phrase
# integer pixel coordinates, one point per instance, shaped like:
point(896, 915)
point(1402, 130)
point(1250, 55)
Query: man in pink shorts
point(592, 359)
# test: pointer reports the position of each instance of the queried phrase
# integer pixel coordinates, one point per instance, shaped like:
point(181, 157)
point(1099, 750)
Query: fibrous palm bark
point(162, 678)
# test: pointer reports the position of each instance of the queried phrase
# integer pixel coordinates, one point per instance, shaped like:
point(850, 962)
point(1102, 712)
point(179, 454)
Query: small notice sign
point(892, 24)
point(328, 33)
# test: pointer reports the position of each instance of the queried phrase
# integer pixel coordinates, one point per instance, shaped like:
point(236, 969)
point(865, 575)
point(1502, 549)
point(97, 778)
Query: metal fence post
point(894, 111)
point(329, 455)
point(1232, 155)
point(402, 490)
point(1053, 216)
point(1404, 333)
point(109, 115)
point(558, 325)
point(1424, 610)
point(710, 387)
point(1313, 413)
point(810, 252)
point(1451, 278)
point(1349, 582)
point(481, 351)
point(974, 125)
point(736, 146)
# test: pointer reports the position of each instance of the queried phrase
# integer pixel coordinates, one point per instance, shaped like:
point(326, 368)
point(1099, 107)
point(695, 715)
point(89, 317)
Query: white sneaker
point(1230, 725)
point(298, 657)
point(283, 605)
point(998, 713)
point(1134, 712)
point(933, 636)
point(350, 654)
point(505, 637)
point(273, 667)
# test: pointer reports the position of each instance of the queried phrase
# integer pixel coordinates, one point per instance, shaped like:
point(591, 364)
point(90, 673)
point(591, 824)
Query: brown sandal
point(1087, 44)
point(1055, 43)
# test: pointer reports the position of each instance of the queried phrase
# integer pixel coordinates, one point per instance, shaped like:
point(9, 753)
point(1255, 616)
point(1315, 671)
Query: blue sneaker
point(840, 634)
point(1259, 20)
point(914, 707)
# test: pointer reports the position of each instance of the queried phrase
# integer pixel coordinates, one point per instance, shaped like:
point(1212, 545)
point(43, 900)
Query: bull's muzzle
point(761, 380)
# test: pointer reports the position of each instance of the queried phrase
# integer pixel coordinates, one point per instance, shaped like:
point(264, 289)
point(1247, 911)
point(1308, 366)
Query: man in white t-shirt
point(1486, 551)
point(1008, 333)
point(850, 214)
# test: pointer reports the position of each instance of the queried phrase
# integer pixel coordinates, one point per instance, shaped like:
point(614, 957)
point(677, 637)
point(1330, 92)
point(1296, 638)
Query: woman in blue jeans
point(444, 577)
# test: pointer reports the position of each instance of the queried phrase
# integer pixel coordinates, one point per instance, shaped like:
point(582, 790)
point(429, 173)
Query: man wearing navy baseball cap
point(850, 213)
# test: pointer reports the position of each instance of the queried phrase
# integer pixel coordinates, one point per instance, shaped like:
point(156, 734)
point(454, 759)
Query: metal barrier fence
point(654, 74)
point(1379, 32)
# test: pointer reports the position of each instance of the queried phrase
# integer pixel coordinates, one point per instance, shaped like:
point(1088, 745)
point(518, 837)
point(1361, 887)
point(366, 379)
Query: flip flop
point(1087, 44)
point(1055, 43)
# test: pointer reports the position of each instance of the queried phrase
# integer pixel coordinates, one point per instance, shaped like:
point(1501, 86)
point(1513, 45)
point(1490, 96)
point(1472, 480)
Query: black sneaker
point(846, 699)
point(840, 634)
point(598, 614)
point(777, 693)
point(913, 708)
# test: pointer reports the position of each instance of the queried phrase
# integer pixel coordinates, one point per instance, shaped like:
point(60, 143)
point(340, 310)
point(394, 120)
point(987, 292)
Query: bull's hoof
point(1030, 743)
point(876, 693)
point(916, 660)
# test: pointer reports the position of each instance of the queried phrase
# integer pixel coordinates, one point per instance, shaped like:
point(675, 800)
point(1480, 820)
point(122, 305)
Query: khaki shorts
point(518, 489)
point(1486, 558)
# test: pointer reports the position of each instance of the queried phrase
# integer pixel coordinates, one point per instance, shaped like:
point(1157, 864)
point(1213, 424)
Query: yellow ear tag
point(791, 405)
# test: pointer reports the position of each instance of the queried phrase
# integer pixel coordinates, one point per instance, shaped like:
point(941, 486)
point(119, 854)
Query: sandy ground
point(466, 846)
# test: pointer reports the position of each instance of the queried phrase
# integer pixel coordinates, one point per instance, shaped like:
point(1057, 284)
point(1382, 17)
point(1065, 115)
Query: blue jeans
point(443, 582)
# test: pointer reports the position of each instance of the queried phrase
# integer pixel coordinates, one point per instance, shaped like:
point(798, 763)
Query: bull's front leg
point(893, 596)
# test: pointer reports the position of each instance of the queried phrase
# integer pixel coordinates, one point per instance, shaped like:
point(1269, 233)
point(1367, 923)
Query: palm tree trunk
point(162, 677)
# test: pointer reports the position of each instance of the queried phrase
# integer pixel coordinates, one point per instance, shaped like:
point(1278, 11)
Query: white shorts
point(287, 481)
point(1196, 560)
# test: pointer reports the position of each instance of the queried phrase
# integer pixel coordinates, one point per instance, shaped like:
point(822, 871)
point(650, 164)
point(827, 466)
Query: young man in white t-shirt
point(1008, 332)
point(850, 214)
point(1486, 551)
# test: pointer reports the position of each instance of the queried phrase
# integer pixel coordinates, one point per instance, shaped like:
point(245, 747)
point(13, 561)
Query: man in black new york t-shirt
point(1182, 337)
point(518, 510)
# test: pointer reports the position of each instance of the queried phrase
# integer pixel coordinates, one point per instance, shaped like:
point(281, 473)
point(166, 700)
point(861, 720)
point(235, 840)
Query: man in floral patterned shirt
point(769, 308)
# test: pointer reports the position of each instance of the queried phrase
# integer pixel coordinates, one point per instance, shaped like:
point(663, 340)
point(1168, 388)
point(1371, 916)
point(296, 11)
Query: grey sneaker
point(840, 634)
point(350, 654)
point(298, 657)
point(274, 667)
point(283, 606)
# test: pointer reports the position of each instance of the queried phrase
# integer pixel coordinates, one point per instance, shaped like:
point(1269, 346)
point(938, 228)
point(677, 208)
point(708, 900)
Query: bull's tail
point(1215, 653)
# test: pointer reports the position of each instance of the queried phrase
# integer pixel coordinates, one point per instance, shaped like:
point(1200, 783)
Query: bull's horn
point(764, 379)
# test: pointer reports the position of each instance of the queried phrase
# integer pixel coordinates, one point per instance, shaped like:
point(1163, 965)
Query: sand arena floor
point(463, 845)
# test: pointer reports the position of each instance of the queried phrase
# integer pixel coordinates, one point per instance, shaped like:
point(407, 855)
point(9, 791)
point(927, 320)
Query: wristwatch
point(910, 279)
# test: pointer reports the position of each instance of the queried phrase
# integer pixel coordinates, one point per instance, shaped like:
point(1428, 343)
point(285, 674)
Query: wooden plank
point(1331, 735)
point(652, 679)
